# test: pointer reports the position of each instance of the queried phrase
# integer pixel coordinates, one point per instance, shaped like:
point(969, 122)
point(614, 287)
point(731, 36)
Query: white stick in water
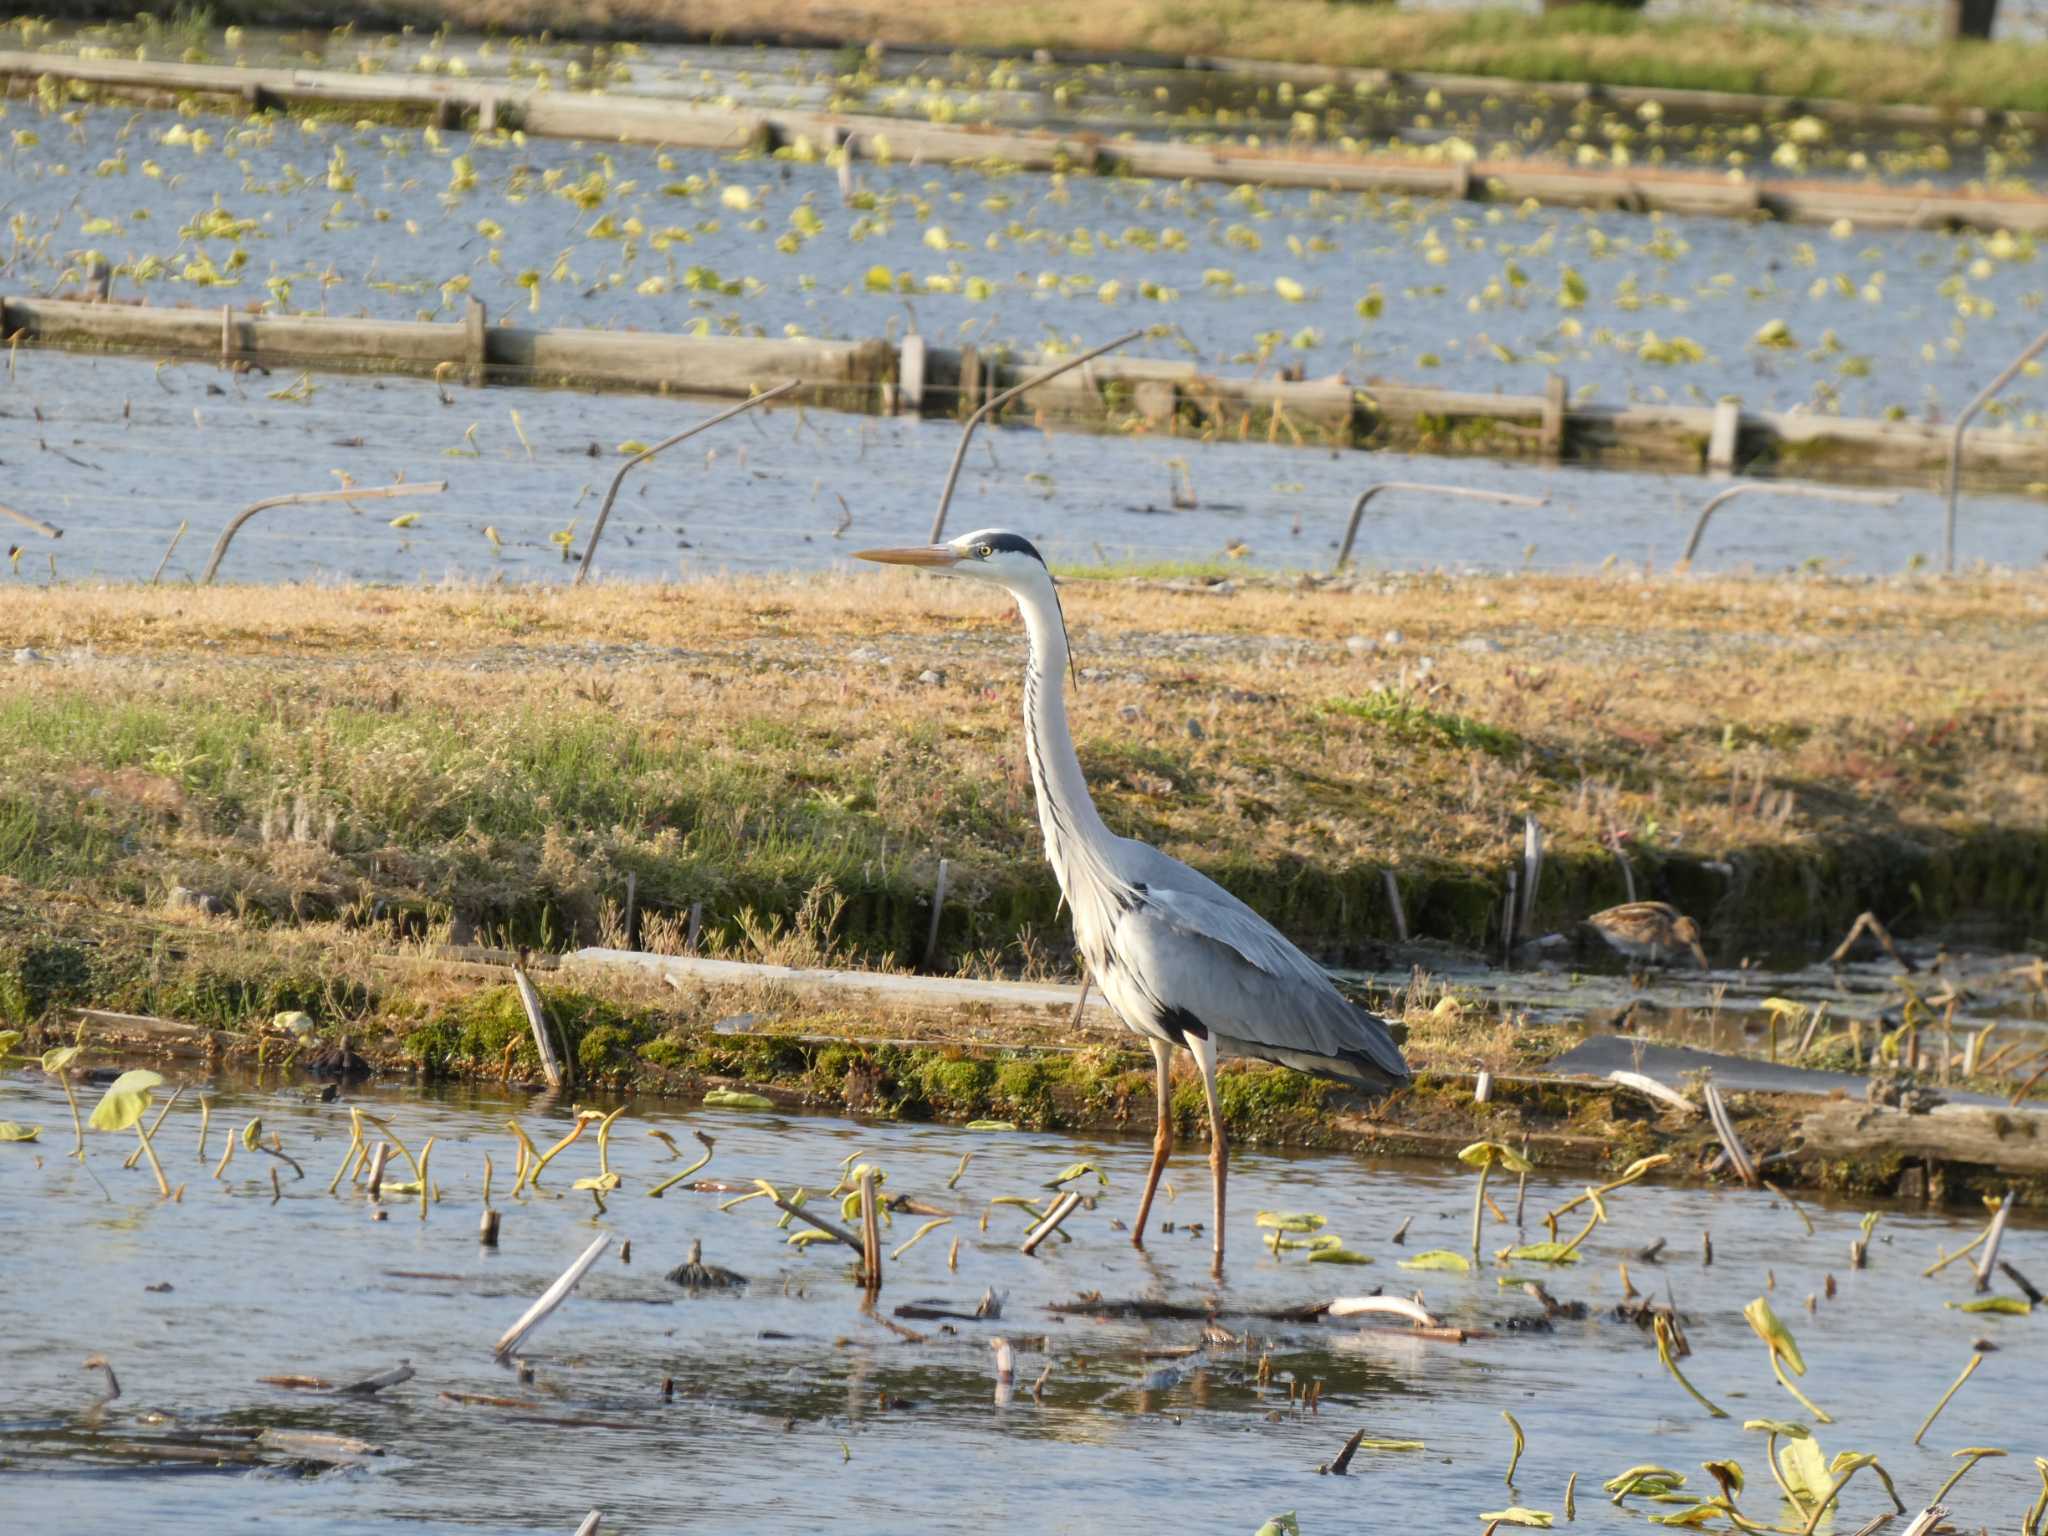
point(1397, 1306)
point(552, 1298)
point(590, 1523)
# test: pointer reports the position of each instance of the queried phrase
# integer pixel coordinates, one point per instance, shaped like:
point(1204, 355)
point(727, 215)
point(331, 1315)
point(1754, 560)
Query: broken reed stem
point(1515, 1456)
point(205, 1121)
point(1669, 1355)
point(487, 1181)
point(157, 1124)
point(1804, 1401)
point(771, 1194)
point(1957, 1475)
point(1949, 1258)
point(1796, 1210)
point(905, 1247)
point(355, 1146)
point(155, 1167)
point(550, 1299)
point(426, 1152)
point(1992, 1237)
point(402, 1149)
point(77, 1125)
point(1928, 1422)
point(666, 1184)
point(1061, 1210)
point(227, 1156)
point(377, 1161)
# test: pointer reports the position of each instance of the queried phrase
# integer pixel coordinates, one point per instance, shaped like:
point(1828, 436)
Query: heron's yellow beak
point(916, 554)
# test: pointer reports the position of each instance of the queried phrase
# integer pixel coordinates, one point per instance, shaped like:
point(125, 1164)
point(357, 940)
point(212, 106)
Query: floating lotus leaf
point(1292, 1221)
point(1515, 1514)
point(12, 1131)
point(727, 1098)
point(1439, 1258)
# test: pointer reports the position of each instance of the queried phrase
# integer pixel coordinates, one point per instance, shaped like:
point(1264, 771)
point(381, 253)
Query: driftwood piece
point(1731, 1143)
point(1050, 1223)
point(2009, 1140)
point(370, 1385)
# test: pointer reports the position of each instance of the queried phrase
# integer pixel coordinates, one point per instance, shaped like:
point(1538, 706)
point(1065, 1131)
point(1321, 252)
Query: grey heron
point(1181, 960)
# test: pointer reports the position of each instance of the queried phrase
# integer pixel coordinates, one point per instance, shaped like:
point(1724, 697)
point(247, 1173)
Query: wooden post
point(487, 1230)
point(551, 1298)
point(1553, 417)
point(870, 1232)
point(1968, 19)
point(487, 113)
point(969, 399)
point(632, 910)
point(1394, 901)
point(696, 927)
point(377, 1161)
point(910, 371)
point(1721, 437)
point(476, 342)
point(227, 348)
point(536, 1017)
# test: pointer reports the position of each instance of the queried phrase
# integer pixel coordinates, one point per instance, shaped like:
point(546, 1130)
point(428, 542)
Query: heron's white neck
point(1066, 814)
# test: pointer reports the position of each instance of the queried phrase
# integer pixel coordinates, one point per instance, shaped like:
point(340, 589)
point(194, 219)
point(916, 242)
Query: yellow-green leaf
point(1338, 1256)
point(11, 1131)
point(56, 1061)
point(1292, 1221)
point(1515, 1514)
point(2011, 1305)
point(727, 1098)
point(1542, 1253)
point(126, 1101)
point(1439, 1258)
point(1775, 1334)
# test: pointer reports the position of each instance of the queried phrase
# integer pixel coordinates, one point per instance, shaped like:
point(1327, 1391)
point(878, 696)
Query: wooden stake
point(536, 1016)
point(870, 1232)
point(377, 1161)
point(487, 1230)
point(1394, 901)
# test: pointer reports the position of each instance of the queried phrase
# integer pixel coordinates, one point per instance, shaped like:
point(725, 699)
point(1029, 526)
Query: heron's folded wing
point(1217, 960)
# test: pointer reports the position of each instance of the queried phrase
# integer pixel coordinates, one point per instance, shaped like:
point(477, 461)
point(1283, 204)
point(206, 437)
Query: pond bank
point(433, 1016)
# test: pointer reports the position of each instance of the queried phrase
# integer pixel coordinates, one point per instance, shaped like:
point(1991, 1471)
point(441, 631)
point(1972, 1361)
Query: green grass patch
point(1399, 714)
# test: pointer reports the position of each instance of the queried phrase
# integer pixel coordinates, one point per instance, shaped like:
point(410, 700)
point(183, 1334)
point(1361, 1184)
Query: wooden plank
point(2014, 1141)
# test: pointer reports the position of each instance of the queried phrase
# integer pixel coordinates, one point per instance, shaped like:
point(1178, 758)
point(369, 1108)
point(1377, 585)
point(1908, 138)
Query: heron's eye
point(983, 551)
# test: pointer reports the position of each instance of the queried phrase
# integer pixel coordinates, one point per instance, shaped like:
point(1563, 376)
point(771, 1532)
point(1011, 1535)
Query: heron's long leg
point(1162, 1139)
point(1219, 1147)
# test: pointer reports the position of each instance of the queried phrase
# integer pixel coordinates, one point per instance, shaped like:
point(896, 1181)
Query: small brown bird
point(1648, 930)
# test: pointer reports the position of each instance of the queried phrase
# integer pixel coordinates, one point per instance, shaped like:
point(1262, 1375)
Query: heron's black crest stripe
point(1013, 544)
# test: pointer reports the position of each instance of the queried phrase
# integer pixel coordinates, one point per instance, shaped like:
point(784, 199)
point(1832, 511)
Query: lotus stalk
point(55, 1064)
point(1667, 1352)
point(1975, 1453)
point(1483, 1155)
point(122, 1108)
point(1784, 1352)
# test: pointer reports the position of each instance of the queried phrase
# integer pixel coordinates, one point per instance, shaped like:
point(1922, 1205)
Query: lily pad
point(1292, 1221)
point(1542, 1253)
point(1439, 1258)
point(991, 1125)
point(728, 1098)
point(56, 1061)
point(1515, 1514)
point(1338, 1256)
point(12, 1131)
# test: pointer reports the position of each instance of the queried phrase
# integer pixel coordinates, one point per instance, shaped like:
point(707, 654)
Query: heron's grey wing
point(1207, 959)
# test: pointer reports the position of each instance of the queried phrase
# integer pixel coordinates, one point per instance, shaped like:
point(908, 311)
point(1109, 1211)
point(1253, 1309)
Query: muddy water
point(386, 222)
point(117, 453)
point(778, 1421)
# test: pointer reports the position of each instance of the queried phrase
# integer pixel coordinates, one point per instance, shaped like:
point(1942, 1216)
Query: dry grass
point(504, 756)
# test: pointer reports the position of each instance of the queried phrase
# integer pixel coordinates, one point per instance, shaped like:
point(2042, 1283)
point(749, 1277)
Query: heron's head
point(989, 554)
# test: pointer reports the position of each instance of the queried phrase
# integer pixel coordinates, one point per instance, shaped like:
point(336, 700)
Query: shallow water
point(389, 223)
point(778, 1423)
point(117, 453)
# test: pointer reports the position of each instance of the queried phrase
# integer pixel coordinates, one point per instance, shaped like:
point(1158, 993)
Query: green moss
point(1025, 1090)
point(955, 1087)
point(1399, 714)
